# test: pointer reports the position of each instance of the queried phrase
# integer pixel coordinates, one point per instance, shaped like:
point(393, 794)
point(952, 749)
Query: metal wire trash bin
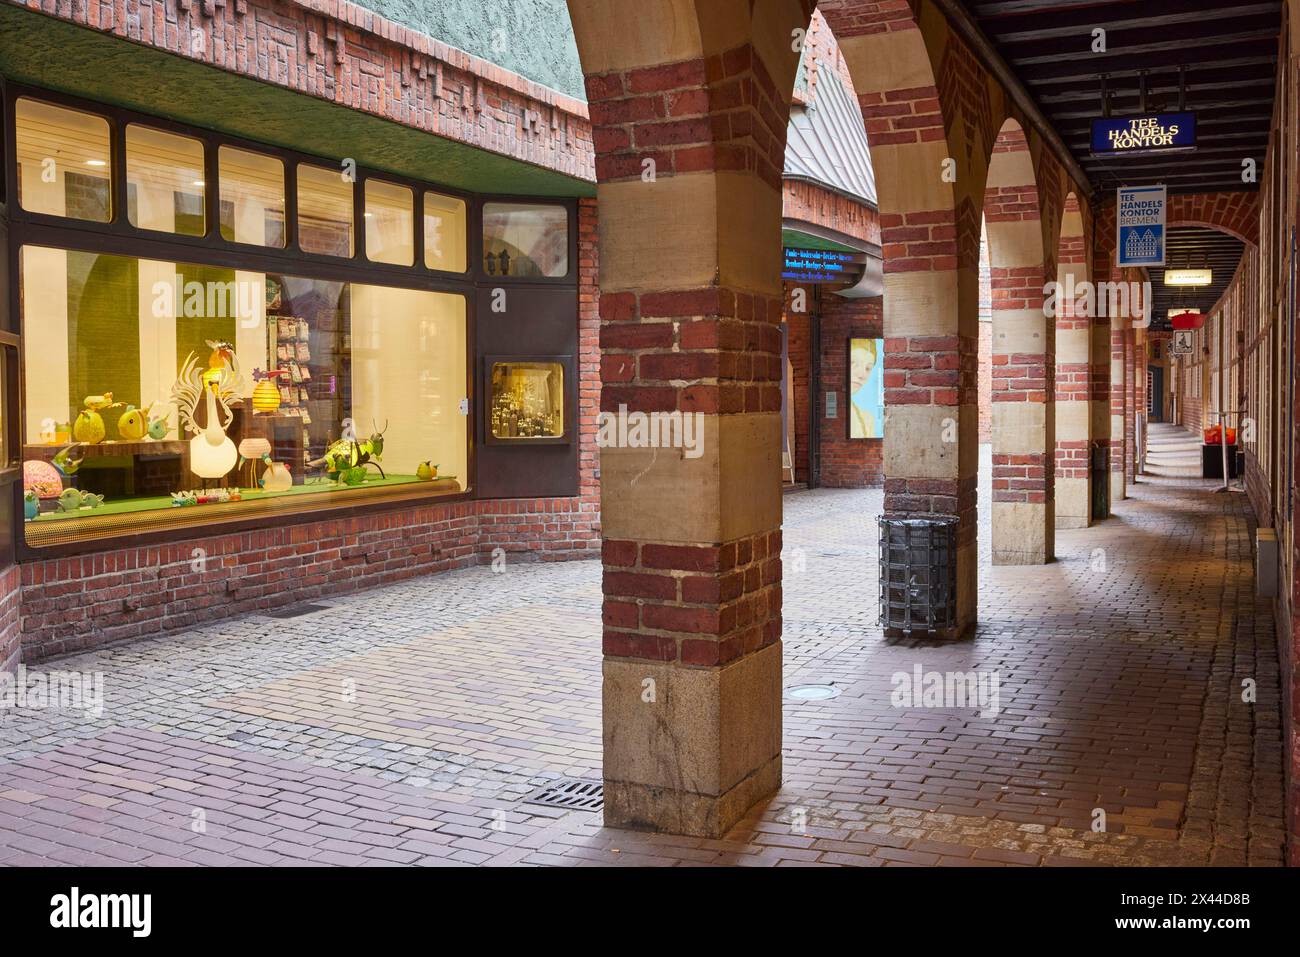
point(918, 573)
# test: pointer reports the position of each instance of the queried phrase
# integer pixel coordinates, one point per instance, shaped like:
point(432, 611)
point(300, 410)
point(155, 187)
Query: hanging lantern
point(266, 394)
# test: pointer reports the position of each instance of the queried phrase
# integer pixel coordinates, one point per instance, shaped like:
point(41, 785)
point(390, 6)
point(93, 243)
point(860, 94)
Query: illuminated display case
point(527, 401)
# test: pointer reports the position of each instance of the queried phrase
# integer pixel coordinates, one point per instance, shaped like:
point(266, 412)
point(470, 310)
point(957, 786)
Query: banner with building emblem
point(1140, 218)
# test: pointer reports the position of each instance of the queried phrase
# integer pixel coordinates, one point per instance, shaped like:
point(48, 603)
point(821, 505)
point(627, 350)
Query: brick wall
point(845, 462)
point(10, 623)
point(68, 604)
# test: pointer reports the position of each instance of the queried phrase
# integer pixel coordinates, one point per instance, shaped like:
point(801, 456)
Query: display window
point(226, 346)
point(156, 386)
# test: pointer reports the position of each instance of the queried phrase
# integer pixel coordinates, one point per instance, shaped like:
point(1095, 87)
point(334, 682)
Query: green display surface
point(164, 503)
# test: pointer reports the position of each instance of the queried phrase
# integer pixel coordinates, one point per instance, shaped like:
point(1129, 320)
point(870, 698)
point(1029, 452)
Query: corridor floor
point(406, 725)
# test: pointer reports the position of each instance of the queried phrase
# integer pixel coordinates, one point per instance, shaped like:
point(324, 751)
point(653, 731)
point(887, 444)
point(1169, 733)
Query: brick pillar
point(1073, 391)
point(1023, 372)
point(931, 310)
point(690, 309)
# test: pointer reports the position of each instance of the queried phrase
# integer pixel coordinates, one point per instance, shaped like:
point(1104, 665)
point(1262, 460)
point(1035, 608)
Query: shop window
point(390, 223)
point(164, 181)
point(165, 393)
point(444, 232)
point(527, 401)
point(251, 198)
point(523, 240)
point(325, 213)
point(64, 161)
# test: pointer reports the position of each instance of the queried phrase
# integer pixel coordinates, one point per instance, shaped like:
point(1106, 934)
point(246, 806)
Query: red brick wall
point(68, 604)
point(845, 462)
point(10, 628)
point(810, 203)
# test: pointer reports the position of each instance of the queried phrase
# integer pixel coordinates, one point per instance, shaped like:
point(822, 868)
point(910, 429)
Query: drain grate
point(297, 611)
point(576, 794)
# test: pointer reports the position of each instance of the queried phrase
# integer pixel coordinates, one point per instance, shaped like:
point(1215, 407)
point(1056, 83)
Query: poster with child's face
point(866, 388)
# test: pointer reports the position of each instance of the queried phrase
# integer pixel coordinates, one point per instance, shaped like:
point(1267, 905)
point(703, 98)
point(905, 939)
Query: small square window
point(252, 198)
point(444, 232)
point(523, 240)
point(390, 223)
point(64, 161)
point(325, 214)
point(164, 181)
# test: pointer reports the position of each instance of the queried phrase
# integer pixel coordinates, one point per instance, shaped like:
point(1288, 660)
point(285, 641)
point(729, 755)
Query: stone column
point(690, 309)
point(1023, 372)
point(1073, 388)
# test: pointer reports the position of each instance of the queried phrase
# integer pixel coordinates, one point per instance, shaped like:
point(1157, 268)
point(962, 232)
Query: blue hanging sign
point(1154, 133)
point(1140, 218)
point(820, 265)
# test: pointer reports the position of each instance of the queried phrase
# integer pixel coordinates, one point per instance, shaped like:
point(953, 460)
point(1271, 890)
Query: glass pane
point(170, 386)
point(444, 232)
point(325, 215)
point(164, 181)
point(390, 223)
point(527, 400)
point(63, 161)
point(525, 239)
point(252, 198)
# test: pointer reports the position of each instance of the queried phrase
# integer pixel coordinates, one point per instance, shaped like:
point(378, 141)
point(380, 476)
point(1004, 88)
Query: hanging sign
point(821, 265)
point(1140, 220)
point(1155, 133)
point(1184, 342)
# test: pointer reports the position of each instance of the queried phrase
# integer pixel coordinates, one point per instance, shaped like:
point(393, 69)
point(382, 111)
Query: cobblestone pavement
point(405, 725)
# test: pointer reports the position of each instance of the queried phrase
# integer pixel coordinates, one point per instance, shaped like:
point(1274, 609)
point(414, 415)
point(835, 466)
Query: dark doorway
point(1155, 394)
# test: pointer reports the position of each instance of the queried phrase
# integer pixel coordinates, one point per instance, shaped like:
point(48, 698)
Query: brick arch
point(1236, 214)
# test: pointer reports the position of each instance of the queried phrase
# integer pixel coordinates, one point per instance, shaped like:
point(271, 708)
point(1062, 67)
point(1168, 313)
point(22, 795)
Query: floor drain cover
point(576, 794)
point(813, 692)
point(297, 611)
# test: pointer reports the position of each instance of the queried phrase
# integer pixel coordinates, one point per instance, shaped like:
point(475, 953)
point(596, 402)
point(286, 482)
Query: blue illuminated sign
point(1121, 135)
point(820, 265)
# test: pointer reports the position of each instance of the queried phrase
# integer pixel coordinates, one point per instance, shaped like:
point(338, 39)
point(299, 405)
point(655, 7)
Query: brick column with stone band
point(1073, 392)
point(1118, 404)
point(688, 165)
point(1023, 359)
